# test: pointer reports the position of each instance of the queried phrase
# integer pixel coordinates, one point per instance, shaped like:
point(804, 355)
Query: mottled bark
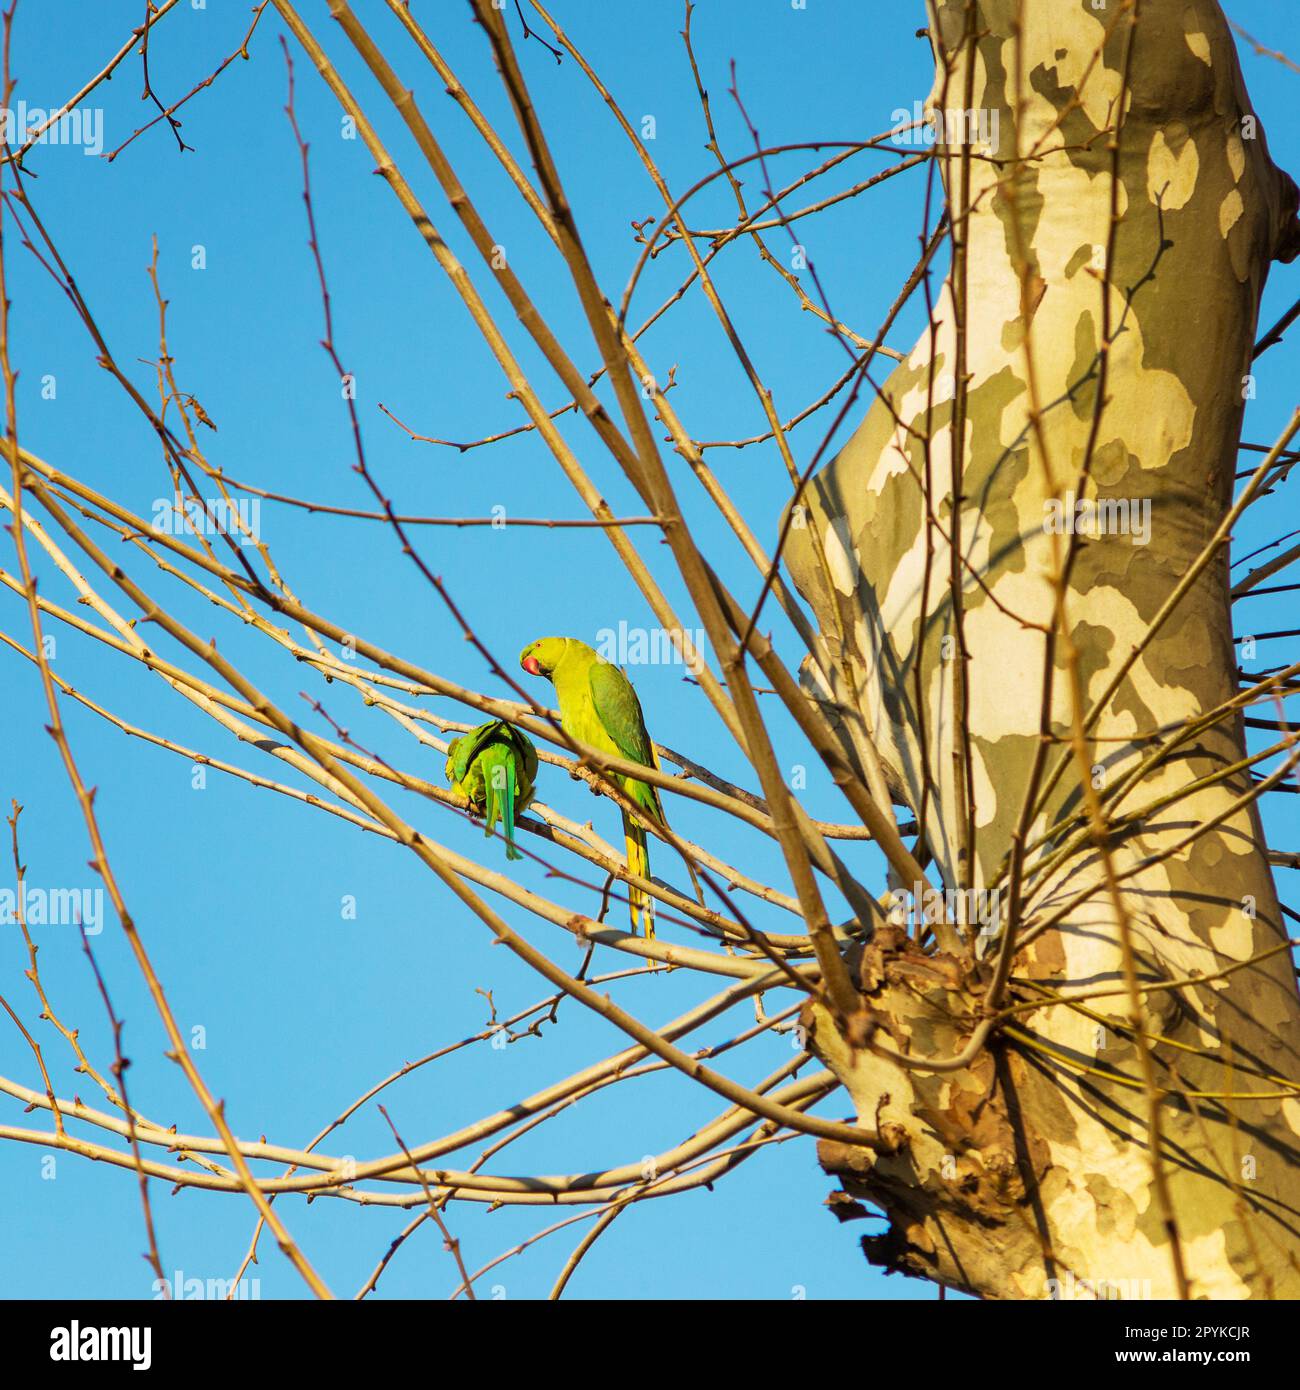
point(1024, 1167)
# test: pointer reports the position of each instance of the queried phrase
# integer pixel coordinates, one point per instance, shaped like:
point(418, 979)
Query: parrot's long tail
point(511, 851)
point(638, 862)
point(501, 801)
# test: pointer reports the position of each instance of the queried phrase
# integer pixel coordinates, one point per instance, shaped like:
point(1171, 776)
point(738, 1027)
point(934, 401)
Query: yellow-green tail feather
point(638, 863)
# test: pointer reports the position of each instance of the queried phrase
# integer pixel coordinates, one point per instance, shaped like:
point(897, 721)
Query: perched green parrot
point(495, 767)
point(599, 707)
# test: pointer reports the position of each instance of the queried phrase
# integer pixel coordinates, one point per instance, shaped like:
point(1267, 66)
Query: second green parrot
point(494, 766)
point(598, 706)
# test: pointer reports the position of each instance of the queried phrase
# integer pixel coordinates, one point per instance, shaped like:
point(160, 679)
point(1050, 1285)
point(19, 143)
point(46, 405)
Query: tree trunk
point(1029, 1172)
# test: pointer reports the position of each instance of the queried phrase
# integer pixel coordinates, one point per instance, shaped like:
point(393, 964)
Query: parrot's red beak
point(531, 665)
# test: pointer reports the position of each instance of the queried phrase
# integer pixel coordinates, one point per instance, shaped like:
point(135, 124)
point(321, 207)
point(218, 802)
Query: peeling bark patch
point(840, 556)
point(1171, 177)
point(1236, 156)
point(1200, 46)
point(1115, 1211)
point(1231, 211)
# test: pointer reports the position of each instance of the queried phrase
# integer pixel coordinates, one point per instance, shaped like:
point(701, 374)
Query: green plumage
point(494, 767)
point(599, 706)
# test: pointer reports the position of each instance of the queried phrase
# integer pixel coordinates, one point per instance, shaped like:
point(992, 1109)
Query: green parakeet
point(495, 767)
point(599, 707)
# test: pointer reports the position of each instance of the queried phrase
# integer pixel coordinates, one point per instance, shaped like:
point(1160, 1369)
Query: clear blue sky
point(237, 892)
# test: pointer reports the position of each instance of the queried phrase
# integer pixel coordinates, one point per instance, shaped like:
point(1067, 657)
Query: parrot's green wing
point(462, 751)
point(525, 763)
point(620, 712)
